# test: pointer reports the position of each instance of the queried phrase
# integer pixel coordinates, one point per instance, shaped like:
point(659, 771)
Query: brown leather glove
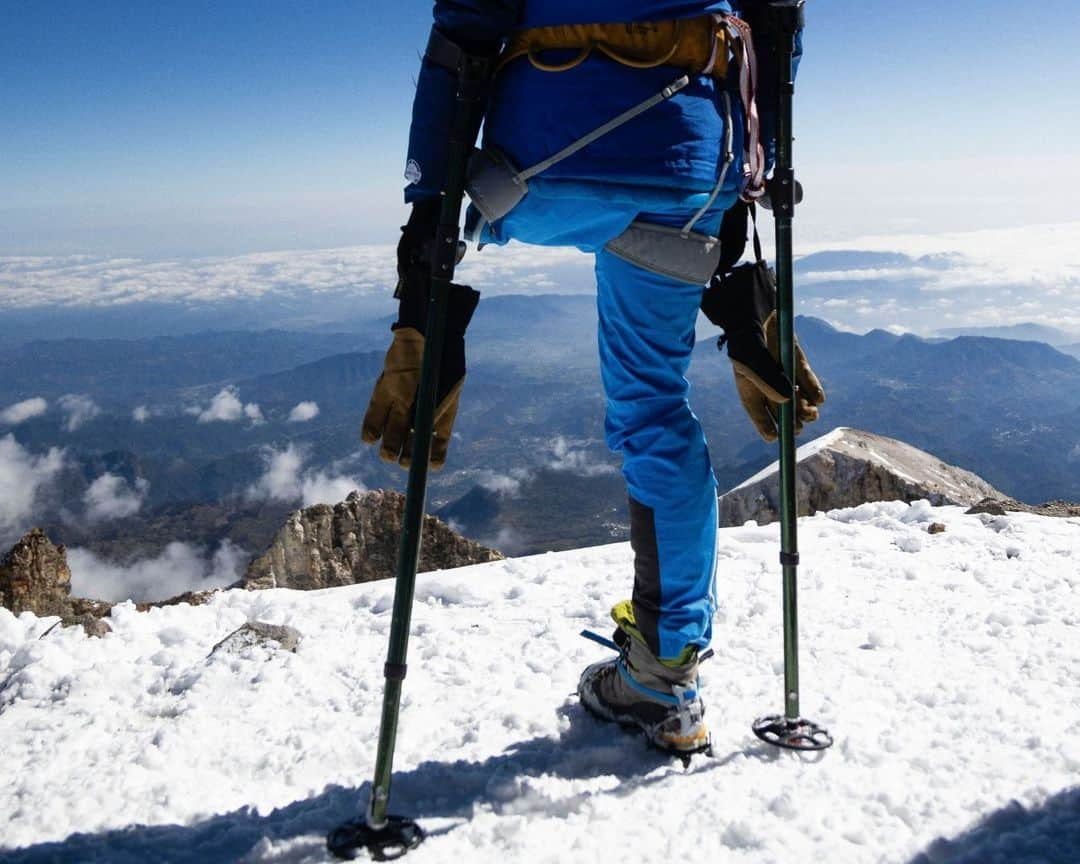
point(389, 419)
point(762, 401)
point(743, 303)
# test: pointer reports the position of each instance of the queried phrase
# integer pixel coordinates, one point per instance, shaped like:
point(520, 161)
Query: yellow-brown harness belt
point(698, 45)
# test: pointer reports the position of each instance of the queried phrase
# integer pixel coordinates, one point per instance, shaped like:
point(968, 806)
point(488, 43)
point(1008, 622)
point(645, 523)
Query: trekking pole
point(789, 730)
point(387, 836)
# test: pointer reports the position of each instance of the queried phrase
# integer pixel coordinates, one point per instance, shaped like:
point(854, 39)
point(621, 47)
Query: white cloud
point(304, 411)
point(23, 476)
point(507, 541)
point(503, 484)
point(180, 567)
point(254, 413)
point(141, 414)
point(318, 487)
point(286, 480)
point(79, 409)
point(568, 456)
point(20, 412)
point(110, 497)
point(226, 407)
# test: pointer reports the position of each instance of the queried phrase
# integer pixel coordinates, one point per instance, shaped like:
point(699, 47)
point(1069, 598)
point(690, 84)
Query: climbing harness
point(698, 45)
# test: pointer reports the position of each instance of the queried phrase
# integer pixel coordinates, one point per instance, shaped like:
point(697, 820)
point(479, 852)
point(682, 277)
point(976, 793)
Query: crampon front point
point(396, 837)
point(792, 734)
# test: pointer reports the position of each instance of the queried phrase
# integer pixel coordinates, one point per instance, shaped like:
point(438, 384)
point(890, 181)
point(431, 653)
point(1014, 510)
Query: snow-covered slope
point(947, 666)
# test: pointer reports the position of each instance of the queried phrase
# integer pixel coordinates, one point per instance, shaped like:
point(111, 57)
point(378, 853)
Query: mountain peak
point(847, 467)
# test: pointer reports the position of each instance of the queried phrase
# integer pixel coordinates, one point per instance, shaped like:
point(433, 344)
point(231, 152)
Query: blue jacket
point(531, 114)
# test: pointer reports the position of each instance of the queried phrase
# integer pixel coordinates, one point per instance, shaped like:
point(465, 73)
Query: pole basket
point(792, 734)
point(396, 837)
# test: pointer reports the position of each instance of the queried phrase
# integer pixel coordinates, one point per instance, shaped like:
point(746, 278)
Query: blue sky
point(199, 128)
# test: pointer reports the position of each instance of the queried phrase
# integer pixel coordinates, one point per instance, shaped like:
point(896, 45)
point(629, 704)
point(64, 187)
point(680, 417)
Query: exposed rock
point(848, 467)
point(192, 598)
point(93, 625)
point(936, 528)
point(354, 541)
point(993, 506)
point(1000, 505)
point(34, 577)
point(93, 608)
point(258, 633)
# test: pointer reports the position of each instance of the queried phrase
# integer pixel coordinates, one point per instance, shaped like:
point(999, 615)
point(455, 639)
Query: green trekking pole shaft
point(443, 260)
point(784, 212)
point(789, 730)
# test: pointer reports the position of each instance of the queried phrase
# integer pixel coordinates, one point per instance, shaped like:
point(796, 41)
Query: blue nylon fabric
point(674, 144)
point(645, 339)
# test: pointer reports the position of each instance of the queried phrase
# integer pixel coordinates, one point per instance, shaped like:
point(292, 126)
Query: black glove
point(390, 413)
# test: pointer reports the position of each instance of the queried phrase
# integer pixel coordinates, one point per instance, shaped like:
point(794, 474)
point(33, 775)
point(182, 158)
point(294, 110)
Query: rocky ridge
point(353, 541)
point(318, 547)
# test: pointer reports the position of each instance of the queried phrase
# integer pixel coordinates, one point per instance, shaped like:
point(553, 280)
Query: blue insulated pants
point(646, 336)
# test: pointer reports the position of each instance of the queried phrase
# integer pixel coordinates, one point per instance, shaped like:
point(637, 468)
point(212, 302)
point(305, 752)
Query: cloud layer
point(975, 279)
point(978, 278)
point(180, 567)
point(357, 271)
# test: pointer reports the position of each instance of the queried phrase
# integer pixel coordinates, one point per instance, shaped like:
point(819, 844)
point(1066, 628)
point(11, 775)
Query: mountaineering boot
point(637, 689)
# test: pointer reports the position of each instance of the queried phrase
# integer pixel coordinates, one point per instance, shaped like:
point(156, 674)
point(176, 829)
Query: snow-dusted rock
point(848, 467)
point(259, 633)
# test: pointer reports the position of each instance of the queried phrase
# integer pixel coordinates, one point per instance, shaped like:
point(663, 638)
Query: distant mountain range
point(1027, 332)
point(528, 466)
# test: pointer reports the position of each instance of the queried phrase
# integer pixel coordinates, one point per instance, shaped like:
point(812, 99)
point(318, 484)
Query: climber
point(625, 128)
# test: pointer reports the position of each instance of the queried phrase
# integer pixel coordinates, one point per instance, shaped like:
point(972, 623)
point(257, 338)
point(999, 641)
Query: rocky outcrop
point(354, 541)
point(34, 577)
point(848, 467)
point(1001, 506)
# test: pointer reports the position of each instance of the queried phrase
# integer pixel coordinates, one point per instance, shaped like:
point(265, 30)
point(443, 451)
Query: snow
point(947, 667)
point(811, 448)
